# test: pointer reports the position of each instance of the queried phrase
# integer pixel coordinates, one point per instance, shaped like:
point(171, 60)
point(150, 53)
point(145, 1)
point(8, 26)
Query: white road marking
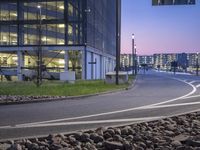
point(182, 97)
point(197, 86)
point(115, 112)
point(83, 122)
point(194, 96)
point(172, 105)
point(192, 82)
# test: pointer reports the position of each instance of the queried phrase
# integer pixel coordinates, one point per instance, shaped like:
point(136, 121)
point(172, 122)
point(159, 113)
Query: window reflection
point(8, 35)
point(8, 11)
point(53, 24)
point(50, 10)
point(52, 34)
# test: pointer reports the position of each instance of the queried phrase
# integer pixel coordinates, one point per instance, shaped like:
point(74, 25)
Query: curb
point(68, 97)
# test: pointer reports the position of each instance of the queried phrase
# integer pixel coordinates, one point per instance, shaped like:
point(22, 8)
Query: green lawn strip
point(57, 88)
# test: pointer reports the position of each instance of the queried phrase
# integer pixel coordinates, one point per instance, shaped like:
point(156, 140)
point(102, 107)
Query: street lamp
point(133, 49)
point(197, 65)
point(135, 60)
point(39, 51)
point(118, 38)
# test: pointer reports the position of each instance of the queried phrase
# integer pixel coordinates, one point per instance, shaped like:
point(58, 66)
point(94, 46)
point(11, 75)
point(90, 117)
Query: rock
point(180, 148)
point(64, 144)
point(72, 140)
point(143, 145)
point(41, 144)
point(99, 145)
point(117, 131)
point(34, 146)
point(77, 135)
point(125, 130)
point(176, 143)
point(107, 135)
point(15, 147)
point(4, 146)
point(28, 144)
point(113, 145)
point(110, 131)
point(78, 148)
point(55, 146)
point(137, 138)
point(89, 146)
point(169, 133)
point(171, 127)
point(117, 138)
point(62, 136)
point(50, 136)
point(10, 142)
point(84, 137)
point(127, 145)
point(193, 143)
point(101, 130)
point(96, 138)
point(129, 138)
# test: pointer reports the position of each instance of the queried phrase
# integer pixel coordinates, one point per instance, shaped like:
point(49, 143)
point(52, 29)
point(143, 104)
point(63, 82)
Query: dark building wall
point(182, 60)
point(101, 25)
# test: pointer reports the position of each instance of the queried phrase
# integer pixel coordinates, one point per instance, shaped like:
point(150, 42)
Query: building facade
point(163, 61)
point(76, 35)
point(145, 59)
point(126, 60)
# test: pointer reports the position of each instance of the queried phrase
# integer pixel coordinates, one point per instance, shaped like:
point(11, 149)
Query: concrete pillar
point(92, 66)
point(20, 60)
point(66, 58)
point(101, 67)
point(83, 65)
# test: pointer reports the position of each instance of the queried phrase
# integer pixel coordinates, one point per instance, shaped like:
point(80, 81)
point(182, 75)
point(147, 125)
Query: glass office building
point(76, 35)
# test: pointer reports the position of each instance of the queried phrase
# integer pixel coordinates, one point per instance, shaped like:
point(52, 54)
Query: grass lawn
point(55, 88)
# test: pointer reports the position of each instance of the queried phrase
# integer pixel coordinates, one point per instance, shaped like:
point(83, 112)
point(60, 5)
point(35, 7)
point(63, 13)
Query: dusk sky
point(160, 29)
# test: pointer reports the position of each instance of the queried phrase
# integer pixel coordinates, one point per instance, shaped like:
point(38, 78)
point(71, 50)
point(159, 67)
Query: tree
point(74, 58)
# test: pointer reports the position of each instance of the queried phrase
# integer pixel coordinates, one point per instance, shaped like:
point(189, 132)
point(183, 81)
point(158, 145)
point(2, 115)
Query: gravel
point(175, 133)
point(10, 99)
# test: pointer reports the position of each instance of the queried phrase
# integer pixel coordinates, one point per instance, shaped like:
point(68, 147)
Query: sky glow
point(160, 29)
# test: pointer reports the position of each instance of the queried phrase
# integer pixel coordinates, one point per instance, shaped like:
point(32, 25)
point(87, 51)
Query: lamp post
point(135, 60)
point(118, 38)
point(133, 49)
point(39, 51)
point(197, 65)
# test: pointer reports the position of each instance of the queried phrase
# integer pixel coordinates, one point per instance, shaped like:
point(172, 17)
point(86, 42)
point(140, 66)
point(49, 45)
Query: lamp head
point(133, 36)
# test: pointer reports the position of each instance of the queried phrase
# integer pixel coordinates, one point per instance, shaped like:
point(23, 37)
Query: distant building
point(163, 61)
point(192, 59)
point(173, 2)
point(182, 60)
point(126, 60)
point(145, 59)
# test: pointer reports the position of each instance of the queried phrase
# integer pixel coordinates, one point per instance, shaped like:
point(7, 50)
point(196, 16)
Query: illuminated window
point(8, 11)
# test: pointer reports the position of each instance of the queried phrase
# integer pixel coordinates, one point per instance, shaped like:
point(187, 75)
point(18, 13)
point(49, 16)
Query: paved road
point(155, 95)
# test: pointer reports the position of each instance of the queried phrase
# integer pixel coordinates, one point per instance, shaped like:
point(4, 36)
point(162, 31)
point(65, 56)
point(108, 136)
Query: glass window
point(4, 61)
point(75, 33)
point(8, 11)
point(8, 35)
point(52, 10)
point(30, 34)
point(51, 34)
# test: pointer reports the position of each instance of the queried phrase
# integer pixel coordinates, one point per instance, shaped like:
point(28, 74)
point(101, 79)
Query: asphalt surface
point(155, 95)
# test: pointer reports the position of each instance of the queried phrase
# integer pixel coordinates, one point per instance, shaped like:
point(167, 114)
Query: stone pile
point(175, 133)
point(6, 99)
